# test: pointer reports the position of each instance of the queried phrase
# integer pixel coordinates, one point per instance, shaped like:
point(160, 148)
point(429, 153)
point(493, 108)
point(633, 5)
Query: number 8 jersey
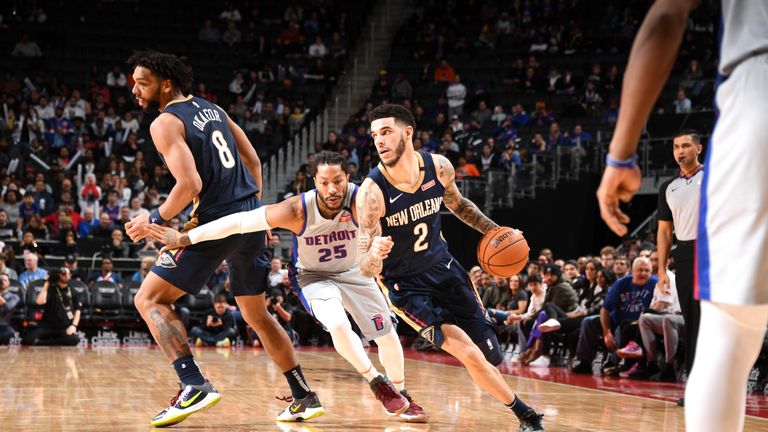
point(225, 178)
point(412, 219)
point(326, 246)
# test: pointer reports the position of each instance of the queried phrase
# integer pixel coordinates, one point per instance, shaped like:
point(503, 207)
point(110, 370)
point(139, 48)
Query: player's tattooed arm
point(460, 206)
point(370, 208)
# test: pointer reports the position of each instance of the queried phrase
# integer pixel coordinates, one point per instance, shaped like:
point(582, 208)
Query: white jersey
point(326, 246)
point(745, 32)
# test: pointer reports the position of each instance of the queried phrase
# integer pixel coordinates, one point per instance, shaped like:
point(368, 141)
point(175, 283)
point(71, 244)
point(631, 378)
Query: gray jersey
point(326, 246)
point(744, 32)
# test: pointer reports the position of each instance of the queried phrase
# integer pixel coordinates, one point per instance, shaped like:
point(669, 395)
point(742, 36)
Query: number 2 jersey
point(227, 184)
point(412, 219)
point(325, 246)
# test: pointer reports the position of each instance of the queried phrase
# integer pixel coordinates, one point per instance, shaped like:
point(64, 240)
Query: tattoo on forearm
point(368, 208)
point(467, 211)
point(170, 335)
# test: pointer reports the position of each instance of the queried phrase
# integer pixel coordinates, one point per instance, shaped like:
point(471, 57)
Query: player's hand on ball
point(382, 246)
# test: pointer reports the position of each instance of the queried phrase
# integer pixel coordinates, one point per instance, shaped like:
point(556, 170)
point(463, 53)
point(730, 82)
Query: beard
point(325, 203)
point(399, 151)
point(153, 103)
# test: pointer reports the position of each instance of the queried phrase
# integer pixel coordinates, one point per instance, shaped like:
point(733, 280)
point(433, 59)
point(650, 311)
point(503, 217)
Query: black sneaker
point(667, 374)
point(645, 372)
point(302, 409)
point(584, 368)
point(188, 400)
point(531, 422)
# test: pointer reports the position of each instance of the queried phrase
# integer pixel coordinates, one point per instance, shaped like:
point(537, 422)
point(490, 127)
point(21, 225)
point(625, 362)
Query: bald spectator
point(32, 272)
point(623, 304)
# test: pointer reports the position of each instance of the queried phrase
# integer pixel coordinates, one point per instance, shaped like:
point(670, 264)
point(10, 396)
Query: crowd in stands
point(491, 84)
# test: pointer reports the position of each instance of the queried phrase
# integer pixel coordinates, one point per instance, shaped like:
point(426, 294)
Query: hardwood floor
point(119, 389)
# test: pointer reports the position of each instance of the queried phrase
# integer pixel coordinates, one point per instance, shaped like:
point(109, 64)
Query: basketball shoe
point(394, 403)
point(531, 422)
point(414, 413)
point(189, 400)
point(302, 409)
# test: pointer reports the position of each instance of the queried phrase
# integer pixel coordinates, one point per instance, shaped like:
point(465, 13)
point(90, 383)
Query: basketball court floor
point(119, 389)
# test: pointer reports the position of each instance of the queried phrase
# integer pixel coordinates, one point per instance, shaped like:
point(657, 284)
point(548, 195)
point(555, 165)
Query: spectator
point(482, 114)
point(11, 206)
point(682, 104)
point(106, 274)
point(112, 206)
point(620, 267)
point(465, 169)
point(27, 209)
point(456, 94)
point(220, 276)
point(146, 265)
point(489, 159)
point(209, 33)
point(136, 209)
point(32, 272)
point(117, 247)
point(623, 304)
point(4, 269)
point(26, 48)
point(230, 13)
point(7, 227)
point(86, 224)
point(8, 302)
point(276, 272)
point(444, 72)
point(219, 329)
point(102, 229)
point(525, 320)
point(70, 263)
point(116, 78)
point(317, 49)
point(607, 256)
point(281, 311)
point(61, 315)
point(232, 34)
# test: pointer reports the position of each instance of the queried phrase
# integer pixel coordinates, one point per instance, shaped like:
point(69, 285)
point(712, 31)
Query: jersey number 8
point(224, 154)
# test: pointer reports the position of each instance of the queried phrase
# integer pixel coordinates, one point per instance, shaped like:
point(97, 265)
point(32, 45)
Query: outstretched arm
point(372, 248)
point(287, 214)
point(463, 208)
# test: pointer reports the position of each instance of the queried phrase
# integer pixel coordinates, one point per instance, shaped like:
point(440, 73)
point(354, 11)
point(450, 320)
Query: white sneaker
point(542, 361)
point(549, 325)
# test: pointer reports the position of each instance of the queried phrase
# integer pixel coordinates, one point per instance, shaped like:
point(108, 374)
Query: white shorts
point(359, 295)
point(732, 244)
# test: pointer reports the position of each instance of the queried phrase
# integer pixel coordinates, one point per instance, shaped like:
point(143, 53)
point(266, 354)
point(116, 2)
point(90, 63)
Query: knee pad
point(489, 345)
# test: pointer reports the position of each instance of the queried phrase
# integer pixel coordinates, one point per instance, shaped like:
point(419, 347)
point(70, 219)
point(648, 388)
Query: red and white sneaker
point(394, 403)
point(414, 413)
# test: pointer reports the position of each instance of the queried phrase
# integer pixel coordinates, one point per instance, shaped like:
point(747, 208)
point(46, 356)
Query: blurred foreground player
point(733, 210)
point(217, 170)
point(400, 239)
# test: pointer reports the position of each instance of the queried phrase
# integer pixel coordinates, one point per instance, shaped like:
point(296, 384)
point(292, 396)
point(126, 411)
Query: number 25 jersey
point(412, 219)
point(226, 180)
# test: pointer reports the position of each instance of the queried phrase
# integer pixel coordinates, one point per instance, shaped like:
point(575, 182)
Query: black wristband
point(155, 218)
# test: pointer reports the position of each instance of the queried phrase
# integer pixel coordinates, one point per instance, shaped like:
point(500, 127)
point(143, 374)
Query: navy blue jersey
point(226, 181)
point(412, 219)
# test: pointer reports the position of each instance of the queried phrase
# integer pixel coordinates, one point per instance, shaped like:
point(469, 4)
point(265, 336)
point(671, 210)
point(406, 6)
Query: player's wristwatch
point(629, 163)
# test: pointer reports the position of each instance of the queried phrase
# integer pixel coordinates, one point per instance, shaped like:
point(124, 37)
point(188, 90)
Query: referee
point(678, 212)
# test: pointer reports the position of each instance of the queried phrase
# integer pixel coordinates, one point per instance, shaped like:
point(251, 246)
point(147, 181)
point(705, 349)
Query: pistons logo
point(378, 322)
point(166, 260)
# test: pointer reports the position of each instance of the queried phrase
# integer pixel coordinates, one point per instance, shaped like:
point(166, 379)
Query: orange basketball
point(502, 252)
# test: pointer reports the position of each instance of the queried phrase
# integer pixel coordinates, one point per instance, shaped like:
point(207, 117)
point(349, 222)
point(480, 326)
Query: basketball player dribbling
point(733, 210)
point(399, 239)
point(325, 275)
point(216, 169)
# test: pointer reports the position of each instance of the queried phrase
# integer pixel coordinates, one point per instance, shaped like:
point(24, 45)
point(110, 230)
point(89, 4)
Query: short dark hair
point(694, 135)
point(401, 114)
point(330, 158)
point(220, 298)
point(166, 66)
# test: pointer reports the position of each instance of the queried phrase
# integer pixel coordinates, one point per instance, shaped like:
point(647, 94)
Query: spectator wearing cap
point(8, 302)
point(623, 304)
point(32, 272)
point(76, 273)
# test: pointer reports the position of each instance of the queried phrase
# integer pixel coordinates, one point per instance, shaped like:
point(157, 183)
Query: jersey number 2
point(221, 144)
point(421, 230)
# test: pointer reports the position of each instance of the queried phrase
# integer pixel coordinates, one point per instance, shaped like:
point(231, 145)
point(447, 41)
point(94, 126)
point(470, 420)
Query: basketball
point(502, 252)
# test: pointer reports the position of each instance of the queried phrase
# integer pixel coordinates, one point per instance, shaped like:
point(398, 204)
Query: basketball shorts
point(358, 294)
point(190, 267)
point(732, 240)
point(443, 294)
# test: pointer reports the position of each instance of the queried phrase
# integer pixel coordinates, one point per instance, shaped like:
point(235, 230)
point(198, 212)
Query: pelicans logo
point(166, 260)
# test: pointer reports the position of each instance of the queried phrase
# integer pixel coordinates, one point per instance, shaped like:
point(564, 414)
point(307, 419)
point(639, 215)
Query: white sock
point(333, 317)
point(730, 339)
point(391, 357)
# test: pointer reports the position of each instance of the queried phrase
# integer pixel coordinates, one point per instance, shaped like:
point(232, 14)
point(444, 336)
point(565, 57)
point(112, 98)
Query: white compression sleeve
point(237, 223)
point(391, 357)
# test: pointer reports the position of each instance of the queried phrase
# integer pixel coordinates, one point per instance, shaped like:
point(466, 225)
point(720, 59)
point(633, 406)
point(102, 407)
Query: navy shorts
point(443, 294)
point(190, 267)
